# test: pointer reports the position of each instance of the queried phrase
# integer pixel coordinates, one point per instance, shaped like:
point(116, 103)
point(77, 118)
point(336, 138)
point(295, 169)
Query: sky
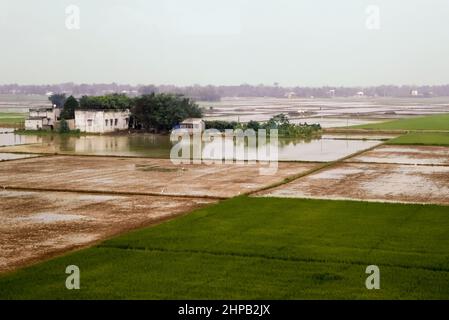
point(225, 42)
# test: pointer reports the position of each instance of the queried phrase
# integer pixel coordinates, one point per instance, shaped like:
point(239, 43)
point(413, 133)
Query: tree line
point(280, 122)
point(158, 112)
point(215, 93)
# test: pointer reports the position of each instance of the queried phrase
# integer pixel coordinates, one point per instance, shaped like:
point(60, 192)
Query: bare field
point(37, 225)
point(371, 182)
point(140, 176)
point(428, 155)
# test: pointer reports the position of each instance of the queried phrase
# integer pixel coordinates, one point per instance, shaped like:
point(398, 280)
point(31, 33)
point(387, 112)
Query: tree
point(108, 102)
point(64, 127)
point(253, 125)
point(163, 111)
point(70, 106)
point(57, 99)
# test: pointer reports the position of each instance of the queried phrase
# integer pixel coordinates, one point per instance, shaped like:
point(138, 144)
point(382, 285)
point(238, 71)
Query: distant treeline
point(215, 93)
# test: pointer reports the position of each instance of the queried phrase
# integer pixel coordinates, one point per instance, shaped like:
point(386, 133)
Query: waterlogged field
point(256, 247)
point(336, 112)
point(260, 248)
point(143, 176)
point(20, 103)
point(405, 154)
point(158, 146)
point(372, 182)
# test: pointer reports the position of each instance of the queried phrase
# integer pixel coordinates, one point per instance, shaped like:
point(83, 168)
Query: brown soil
point(422, 155)
point(372, 182)
point(38, 225)
point(126, 176)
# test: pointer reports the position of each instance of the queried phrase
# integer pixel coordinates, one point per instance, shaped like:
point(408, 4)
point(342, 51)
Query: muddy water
point(157, 146)
point(13, 156)
point(8, 138)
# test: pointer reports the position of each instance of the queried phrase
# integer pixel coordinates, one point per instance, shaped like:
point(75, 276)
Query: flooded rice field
point(326, 148)
point(323, 149)
point(372, 182)
point(335, 112)
point(141, 176)
point(38, 225)
point(55, 203)
point(21, 102)
point(417, 155)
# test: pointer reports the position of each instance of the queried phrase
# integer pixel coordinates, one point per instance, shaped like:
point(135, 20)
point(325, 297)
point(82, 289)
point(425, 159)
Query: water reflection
point(158, 146)
point(8, 138)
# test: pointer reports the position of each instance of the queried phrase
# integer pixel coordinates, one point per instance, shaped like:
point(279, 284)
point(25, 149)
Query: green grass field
point(260, 248)
point(434, 122)
point(7, 118)
point(428, 139)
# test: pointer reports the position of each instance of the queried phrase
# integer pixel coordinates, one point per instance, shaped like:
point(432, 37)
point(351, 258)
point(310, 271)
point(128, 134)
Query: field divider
point(313, 170)
point(118, 193)
point(400, 164)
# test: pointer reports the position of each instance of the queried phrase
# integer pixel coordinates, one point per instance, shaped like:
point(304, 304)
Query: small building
point(193, 125)
point(290, 95)
point(42, 118)
point(101, 121)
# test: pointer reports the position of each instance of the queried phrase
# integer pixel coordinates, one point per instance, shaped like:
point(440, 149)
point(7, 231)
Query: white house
point(101, 121)
point(42, 118)
point(193, 125)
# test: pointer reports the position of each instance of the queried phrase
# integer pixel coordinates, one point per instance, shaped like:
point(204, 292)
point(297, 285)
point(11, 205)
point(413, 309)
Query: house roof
point(192, 120)
point(41, 109)
point(103, 110)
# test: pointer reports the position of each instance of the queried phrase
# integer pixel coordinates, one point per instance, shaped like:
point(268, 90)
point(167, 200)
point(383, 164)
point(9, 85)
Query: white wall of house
point(193, 125)
point(101, 121)
point(41, 118)
point(34, 124)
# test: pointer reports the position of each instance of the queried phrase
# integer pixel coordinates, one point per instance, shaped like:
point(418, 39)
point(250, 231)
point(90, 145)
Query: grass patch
point(434, 122)
point(8, 118)
point(425, 139)
point(260, 248)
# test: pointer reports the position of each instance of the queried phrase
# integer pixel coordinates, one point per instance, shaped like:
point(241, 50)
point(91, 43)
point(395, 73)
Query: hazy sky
point(182, 42)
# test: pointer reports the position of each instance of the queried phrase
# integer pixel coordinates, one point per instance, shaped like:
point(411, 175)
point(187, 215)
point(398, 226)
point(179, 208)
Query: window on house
point(89, 123)
point(106, 122)
point(116, 122)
